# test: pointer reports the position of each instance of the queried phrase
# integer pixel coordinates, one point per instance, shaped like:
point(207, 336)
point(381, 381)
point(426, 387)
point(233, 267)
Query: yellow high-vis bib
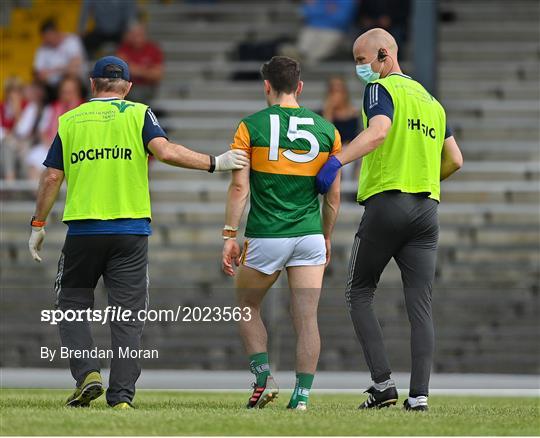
point(409, 160)
point(105, 161)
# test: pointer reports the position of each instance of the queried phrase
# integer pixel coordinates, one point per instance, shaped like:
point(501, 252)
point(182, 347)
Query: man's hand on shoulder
point(327, 175)
point(234, 159)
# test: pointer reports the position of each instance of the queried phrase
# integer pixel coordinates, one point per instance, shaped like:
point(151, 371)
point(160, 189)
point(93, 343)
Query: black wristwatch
point(212, 164)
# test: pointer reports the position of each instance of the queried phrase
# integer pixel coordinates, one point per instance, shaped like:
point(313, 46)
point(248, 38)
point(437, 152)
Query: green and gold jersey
point(287, 147)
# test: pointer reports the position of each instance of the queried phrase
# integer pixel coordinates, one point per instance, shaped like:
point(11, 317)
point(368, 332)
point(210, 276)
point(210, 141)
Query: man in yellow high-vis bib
point(102, 150)
point(407, 150)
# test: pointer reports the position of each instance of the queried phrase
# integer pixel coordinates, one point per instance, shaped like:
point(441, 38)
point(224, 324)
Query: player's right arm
point(237, 196)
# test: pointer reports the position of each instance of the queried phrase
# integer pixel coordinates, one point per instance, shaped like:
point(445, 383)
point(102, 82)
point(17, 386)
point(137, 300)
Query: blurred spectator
point(339, 110)
point(70, 95)
point(13, 104)
point(11, 109)
point(59, 54)
point(145, 60)
point(112, 18)
point(391, 15)
point(17, 141)
point(326, 23)
point(27, 127)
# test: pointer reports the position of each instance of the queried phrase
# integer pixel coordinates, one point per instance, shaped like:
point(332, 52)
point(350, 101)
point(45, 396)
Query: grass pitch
point(41, 412)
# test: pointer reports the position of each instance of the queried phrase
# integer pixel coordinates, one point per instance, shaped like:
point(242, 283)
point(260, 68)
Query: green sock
point(258, 365)
point(301, 389)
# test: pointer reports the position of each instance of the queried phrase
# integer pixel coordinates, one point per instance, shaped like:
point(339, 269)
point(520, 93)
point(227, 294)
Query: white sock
point(384, 385)
point(421, 400)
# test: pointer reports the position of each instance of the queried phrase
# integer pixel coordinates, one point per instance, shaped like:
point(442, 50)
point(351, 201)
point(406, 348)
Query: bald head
point(367, 46)
point(376, 39)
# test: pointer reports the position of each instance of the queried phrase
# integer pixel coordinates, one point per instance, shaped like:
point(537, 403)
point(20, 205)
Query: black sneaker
point(380, 399)
point(420, 405)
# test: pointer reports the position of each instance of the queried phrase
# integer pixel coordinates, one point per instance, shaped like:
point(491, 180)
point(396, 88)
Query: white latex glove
point(35, 242)
point(234, 159)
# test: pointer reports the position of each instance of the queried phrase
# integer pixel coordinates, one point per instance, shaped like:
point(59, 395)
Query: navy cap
point(101, 70)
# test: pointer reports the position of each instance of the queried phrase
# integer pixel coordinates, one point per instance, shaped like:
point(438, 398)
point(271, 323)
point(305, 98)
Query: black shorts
point(122, 261)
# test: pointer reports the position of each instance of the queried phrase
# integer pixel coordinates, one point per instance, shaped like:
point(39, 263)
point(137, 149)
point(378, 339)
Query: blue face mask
point(366, 73)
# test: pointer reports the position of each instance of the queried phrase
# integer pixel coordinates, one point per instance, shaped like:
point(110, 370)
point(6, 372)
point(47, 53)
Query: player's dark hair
point(117, 85)
point(283, 73)
point(47, 25)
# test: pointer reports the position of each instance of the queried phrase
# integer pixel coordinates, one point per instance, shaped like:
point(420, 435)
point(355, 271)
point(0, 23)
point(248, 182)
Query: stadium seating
point(486, 295)
point(20, 37)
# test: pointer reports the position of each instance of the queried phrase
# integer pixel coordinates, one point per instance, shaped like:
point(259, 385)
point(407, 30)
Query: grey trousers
point(122, 260)
point(405, 227)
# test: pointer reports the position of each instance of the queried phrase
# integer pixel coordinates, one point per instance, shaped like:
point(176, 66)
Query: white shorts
point(269, 254)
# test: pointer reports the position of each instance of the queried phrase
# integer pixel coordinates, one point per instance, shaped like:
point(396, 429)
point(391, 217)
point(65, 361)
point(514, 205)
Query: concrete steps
point(486, 291)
